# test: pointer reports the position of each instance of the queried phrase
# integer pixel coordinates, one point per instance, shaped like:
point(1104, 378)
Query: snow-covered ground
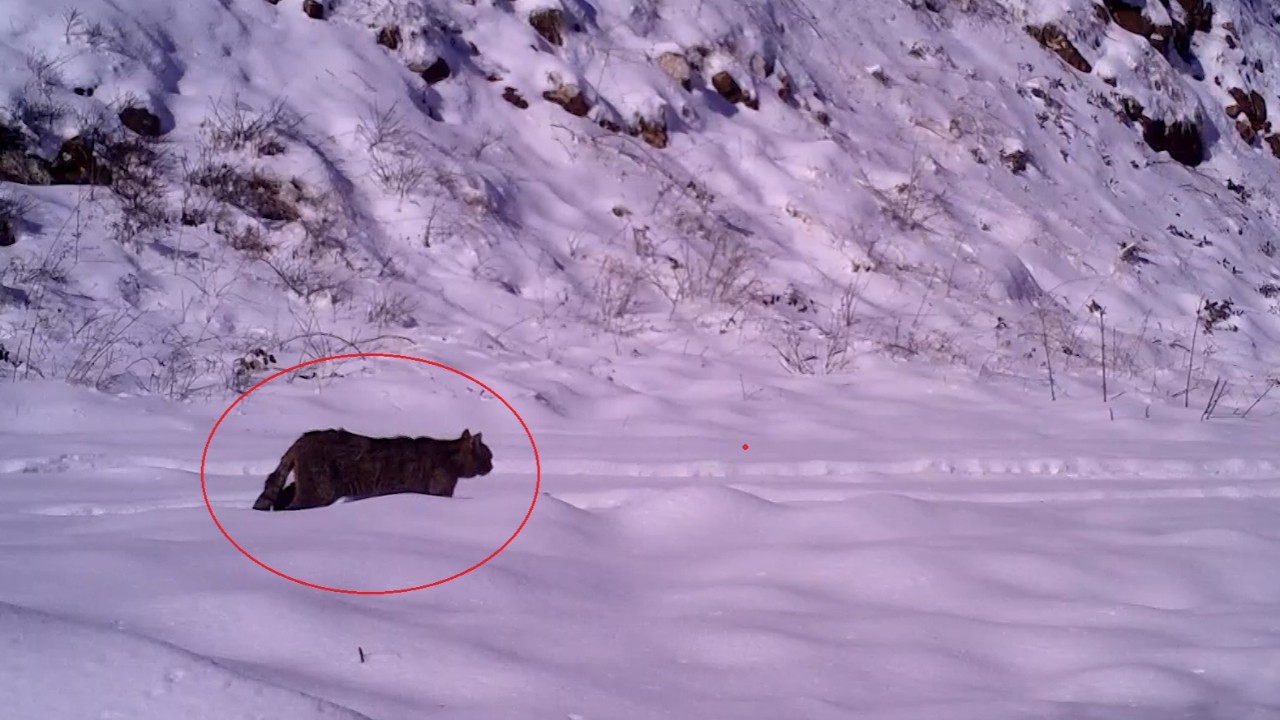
point(947, 551)
point(880, 383)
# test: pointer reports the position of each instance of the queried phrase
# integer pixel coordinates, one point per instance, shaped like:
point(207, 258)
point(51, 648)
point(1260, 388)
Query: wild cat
point(331, 464)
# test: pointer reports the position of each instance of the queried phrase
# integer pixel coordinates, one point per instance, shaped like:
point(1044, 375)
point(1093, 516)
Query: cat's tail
point(275, 496)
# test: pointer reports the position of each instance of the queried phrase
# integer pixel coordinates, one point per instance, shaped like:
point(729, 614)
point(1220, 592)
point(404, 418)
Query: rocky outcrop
point(549, 23)
point(389, 37)
point(141, 121)
point(437, 71)
point(570, 97)
point(314, 9)
point(653, 132)
point(1273, 141)
point(729, 89)
point(1249, 110)
point(677, 67)
point(514, 97)
point(1180, 139)
point(1051, 37)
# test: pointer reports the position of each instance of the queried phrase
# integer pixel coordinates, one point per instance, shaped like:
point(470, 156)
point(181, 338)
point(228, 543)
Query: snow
point(933, 519)
point(930, 555)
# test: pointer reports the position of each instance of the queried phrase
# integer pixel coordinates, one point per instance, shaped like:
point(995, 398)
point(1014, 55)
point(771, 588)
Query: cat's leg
point(312, 488)
point(442, 484)
point(269, 499)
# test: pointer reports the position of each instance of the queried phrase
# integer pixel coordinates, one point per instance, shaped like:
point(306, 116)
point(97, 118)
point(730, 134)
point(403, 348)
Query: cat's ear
point(466, 435)
point(476, 439)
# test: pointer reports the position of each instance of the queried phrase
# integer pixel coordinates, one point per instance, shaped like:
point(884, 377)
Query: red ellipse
point(536, 487)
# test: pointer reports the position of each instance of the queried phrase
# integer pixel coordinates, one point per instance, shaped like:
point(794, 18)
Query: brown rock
point(437, 71)
point(1199, 14)
point(1184, 143)
point(677, 68)
point(609, 125)
point(549, 22)
point(1247, 133)
point(785, 92)
point(761, 66)
point(141, 121)
point(570, 98)
point(1161, 37)
point(514, 97)
point(1257, 109)
point(1130, 18)
point(313, 8)
point(1273, 141)
point(1233, 110)
point(389, 37)
point(1131, 108)
point(653, 132)
point(728, 87)
point(76, 164)
point(1051, 37)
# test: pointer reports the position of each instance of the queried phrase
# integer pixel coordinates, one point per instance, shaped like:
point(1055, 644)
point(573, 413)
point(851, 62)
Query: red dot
point(745, 446)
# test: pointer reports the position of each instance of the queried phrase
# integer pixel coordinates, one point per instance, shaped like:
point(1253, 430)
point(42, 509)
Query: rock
point(314, 9)
point(274, 2)
point(1161, 38)
point(1182, 40)
point(761, 66)
point(77, 165)
point(1017, 160)
point(7, 235)
point(1131, 109)
point(1199, 14)
point(1051, 37)
point(653, 132)
point(513, 96)
point(785, 93)
point(570, 98)
point(433, 73)
point(549, 22)
point(1273, 142)
point(1247, 133)
point(677, 68)
point(141, 121)
point(1130, 18)
point(610, 125)
point(1184, 144)
point(729, 89)
point(1251, 104)
point(1258, 109)
point(389, 37)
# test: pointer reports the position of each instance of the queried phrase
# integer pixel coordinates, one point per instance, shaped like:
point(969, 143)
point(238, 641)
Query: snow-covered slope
point(523, 177)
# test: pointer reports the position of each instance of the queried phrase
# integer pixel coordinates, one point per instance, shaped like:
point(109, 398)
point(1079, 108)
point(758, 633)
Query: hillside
point(794, 184)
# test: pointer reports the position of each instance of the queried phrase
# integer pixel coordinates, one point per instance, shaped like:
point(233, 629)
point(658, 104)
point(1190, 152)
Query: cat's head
point(474, 457)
